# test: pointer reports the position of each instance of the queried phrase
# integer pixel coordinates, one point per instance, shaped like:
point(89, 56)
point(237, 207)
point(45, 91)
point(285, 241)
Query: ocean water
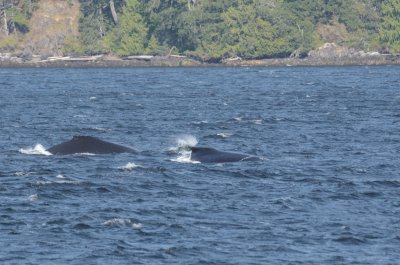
point(327, 190)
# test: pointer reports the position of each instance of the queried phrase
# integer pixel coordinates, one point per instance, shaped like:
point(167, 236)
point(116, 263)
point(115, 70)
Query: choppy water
point(328, 192)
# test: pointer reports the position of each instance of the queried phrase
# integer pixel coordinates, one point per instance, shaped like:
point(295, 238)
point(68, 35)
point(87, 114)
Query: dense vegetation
point(212, 30)
point(15, 15)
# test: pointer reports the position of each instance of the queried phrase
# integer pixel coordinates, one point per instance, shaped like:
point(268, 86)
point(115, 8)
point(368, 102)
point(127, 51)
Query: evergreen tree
point(130, 36)
point(251, 34)
point(390, 28)
point(213, 30)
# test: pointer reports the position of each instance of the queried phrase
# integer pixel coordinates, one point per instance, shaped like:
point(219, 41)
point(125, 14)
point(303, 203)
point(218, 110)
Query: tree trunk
point(100, 23)
point(6, 31)
point(113, 12)
point(12, 24)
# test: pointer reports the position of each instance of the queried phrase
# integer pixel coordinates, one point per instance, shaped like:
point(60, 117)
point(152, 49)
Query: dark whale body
point(88, 144)
point(211, 155)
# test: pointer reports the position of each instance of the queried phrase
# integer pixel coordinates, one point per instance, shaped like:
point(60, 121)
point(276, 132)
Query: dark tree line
point(213, 30)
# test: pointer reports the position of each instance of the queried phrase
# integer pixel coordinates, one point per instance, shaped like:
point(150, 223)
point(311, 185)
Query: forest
point(211, 30)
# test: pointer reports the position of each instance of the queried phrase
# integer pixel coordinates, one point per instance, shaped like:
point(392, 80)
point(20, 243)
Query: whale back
point(211, 155)
point(88, 144)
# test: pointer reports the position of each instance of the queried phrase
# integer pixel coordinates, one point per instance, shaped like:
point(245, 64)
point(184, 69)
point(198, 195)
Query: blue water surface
point(326, 192)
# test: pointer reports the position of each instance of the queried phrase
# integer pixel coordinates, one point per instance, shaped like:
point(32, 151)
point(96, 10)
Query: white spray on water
point(37, 150)
point(182, 148)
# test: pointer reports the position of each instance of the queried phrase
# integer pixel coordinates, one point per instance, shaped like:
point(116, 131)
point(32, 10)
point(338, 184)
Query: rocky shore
point(328, 55)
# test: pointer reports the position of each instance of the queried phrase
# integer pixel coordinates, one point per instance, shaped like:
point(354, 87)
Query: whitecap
point(200, 122)
point(361, 170)
point(99, 129)
point(73, 182)
point(137, 225)
point(93, 98)
point(122, 222)
point(224, 135)
point(63, 180)
point(60, 179)
point(22, 173)
point(42, 182)
point(258, 122)
point(80, 116)
point(129, 166)
point(37, 150)
point(33, 197)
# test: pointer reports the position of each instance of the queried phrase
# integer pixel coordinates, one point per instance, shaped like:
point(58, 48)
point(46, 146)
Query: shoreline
point(182, 61)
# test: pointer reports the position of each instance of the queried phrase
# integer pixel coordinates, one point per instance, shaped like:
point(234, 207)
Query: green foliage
point(390, 28)
point(9, 42)
point(213, 30)
point(153, 46)
point(19, 18)
point(130, 36)
point(73, 46)
point(249, 34)
point(17, 14)
point(95, 23)
point(92, 32)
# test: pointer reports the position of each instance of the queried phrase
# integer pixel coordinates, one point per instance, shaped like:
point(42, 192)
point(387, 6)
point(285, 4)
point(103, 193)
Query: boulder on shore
point(333, 51)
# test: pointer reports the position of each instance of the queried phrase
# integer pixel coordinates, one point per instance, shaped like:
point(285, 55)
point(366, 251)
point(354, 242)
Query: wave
point(37, 150)
point(23, 174)
point(224, 135)
point(258, 121)
point(33, 197)
point(60, 180)
point(84, 154)
point(100, 129)
point(129, 166)
point(122, 222)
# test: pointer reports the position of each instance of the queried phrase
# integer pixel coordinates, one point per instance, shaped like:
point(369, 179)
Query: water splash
point(182, 148)
point(37, 150)
point(186, 140)
point(184, 157)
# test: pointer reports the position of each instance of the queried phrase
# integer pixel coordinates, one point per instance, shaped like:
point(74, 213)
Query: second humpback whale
point(211, 155)
point(88, 144)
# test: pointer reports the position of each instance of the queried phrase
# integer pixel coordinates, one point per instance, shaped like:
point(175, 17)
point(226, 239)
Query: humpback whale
point(88, 144)
point(211, 155)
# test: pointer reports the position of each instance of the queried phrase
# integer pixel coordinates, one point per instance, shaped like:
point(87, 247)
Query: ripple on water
point(330, 182)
